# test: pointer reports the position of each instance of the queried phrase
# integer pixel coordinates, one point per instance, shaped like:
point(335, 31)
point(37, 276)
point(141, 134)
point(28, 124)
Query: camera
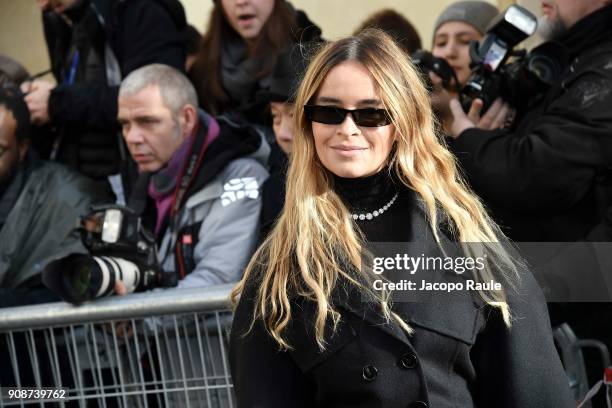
point(121, 248)
point(519, 81)
point(426, 63)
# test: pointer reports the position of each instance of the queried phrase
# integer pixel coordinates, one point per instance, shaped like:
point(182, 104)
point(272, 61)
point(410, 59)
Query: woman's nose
point(348, 126)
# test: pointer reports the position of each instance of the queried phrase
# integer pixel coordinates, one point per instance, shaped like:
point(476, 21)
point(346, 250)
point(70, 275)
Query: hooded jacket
point(213, 233)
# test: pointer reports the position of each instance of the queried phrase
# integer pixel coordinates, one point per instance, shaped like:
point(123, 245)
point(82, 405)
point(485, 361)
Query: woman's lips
point(348, 150)
point(246, 19)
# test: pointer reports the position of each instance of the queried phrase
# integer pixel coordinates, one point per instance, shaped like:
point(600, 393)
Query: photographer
point(39, 203)
point(542, 179)
point(92, 44)
point(203, 188)
point(455, 27)
point(549, 179)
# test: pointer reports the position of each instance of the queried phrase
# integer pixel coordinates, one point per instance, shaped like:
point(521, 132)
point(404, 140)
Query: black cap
point(287, 75)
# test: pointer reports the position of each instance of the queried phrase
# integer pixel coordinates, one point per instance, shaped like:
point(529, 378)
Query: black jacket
point(139, 32)
point(273, 190)
point(461, 354)
point(547, 180)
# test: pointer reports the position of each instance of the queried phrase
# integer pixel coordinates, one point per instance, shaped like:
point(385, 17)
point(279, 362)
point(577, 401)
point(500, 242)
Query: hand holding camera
point(123, 258)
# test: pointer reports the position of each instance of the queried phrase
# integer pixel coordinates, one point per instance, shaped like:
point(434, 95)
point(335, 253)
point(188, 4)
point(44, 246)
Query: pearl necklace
point(376, 213)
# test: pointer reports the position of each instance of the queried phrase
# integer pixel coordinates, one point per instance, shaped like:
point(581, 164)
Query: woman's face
point(451, 42)
point(247, 17)
point(348, 150)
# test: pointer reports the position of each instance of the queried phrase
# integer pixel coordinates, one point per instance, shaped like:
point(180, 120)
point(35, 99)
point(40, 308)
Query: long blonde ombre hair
point(314, 237)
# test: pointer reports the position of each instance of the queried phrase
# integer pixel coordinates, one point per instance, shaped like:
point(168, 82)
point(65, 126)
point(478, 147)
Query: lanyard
point(69, 78)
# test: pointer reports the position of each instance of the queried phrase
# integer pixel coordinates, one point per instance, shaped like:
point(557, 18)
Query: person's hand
point(440, 100)
point(120, 288)
point(37, 98)
point(494, 118)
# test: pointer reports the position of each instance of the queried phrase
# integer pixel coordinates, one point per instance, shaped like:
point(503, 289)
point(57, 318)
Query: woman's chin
point(352, 171)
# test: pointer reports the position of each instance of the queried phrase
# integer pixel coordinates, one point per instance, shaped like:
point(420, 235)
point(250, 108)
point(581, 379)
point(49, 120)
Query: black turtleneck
point(366, 194)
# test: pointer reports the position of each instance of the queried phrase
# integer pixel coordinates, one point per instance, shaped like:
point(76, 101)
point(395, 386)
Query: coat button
point(418, 404)
point(408, 360)
point(369, 373)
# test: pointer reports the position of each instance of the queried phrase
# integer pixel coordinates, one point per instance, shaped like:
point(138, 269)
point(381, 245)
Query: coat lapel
point(353, 300)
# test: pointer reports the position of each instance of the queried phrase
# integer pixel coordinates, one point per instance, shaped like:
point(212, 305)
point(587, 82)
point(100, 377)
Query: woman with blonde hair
point(314, 328)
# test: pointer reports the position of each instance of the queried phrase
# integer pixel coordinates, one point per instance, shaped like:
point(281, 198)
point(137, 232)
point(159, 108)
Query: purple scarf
point(163, 184)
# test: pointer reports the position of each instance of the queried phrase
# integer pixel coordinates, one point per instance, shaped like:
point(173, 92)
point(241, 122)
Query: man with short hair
point(204, 181)
point(40, 207)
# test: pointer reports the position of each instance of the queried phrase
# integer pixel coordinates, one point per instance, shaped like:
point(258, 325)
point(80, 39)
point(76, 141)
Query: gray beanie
point(478, 14)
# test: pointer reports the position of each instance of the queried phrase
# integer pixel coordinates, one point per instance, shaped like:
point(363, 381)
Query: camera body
point(519, 81)
point(120, 248)
point(490, 77)
point(426, 63)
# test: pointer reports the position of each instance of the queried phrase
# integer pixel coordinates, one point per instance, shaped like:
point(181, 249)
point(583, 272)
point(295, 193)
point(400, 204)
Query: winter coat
point(460, 355)
point(41, 227)
point(273, 190)
point(218, 220)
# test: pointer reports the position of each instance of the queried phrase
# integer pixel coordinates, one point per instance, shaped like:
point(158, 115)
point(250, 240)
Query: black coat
point(547, 180)
point(273, 191)
point(461, 354)
point(139, 32)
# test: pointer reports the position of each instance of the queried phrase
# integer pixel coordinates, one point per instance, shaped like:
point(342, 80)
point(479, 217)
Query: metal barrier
point(165, 348)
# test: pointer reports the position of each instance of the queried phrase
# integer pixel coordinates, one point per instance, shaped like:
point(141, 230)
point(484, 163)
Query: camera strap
point(196, 154)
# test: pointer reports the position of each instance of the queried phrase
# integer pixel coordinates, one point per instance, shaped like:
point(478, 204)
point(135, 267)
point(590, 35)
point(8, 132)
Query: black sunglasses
point(332, 115)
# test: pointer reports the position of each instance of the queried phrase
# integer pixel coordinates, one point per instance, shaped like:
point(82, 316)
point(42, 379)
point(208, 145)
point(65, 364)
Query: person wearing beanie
point(458, 25)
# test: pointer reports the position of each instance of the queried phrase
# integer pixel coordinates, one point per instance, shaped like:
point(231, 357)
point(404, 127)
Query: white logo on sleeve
point(238, 189)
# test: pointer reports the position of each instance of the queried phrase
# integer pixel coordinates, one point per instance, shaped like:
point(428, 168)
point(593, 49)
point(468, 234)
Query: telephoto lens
point(78, 278)
point(120, 249)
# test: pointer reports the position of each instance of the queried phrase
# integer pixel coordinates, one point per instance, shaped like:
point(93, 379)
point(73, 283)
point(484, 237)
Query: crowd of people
point(263, 155)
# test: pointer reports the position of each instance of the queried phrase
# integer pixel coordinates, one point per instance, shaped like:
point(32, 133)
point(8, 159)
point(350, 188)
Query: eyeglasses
point(332, 115)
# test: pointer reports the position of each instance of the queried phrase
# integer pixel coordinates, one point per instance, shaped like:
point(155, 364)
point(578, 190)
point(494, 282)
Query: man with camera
point(550, 178)
point(40, 203)
point(200, 176)
point(544, 180)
